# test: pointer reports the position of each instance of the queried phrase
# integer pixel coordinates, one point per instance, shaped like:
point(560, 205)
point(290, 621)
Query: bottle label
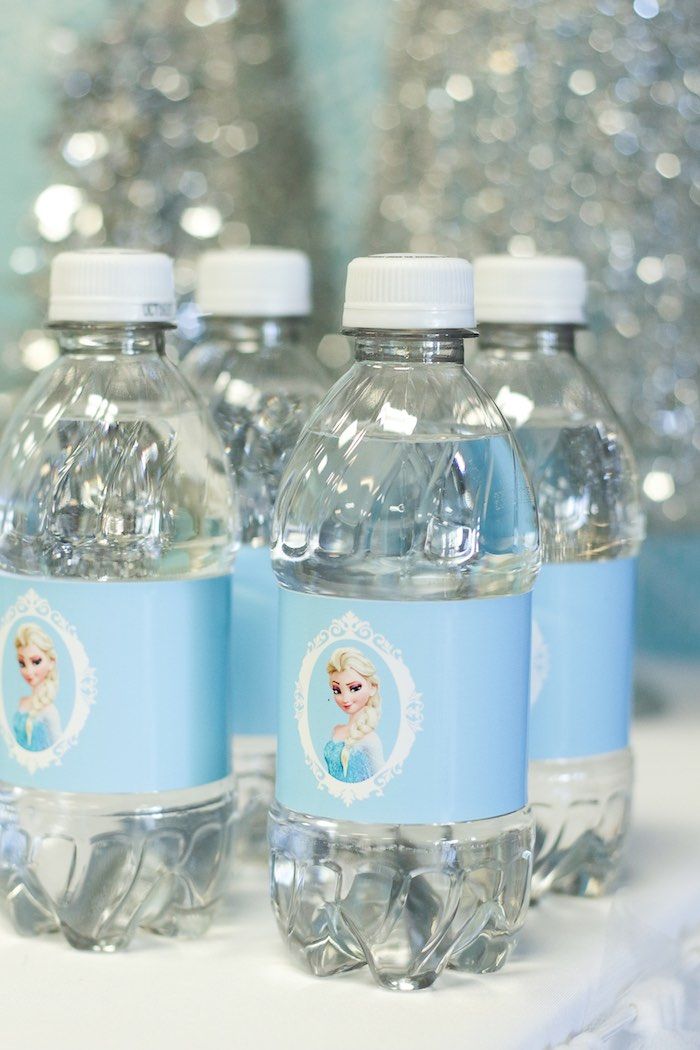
point(403, 712)
point(254, 643)
point(582, 648)
point(113, 687)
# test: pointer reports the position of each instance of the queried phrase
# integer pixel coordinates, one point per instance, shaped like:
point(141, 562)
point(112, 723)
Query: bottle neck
point(528, 338)
point(111, 339)
point(264, 336)
point(414, 347)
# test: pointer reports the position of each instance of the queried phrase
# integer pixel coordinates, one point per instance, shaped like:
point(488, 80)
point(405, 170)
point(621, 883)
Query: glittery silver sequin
point(574, 128)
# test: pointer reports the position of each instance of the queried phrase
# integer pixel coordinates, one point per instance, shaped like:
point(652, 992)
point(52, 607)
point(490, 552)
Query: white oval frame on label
point(32, 605)
point(350, 628)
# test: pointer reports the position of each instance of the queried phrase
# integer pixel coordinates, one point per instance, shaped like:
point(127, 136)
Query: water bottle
point(591, 527)
point(255, 365)
point(405, 543)
point(117, 534)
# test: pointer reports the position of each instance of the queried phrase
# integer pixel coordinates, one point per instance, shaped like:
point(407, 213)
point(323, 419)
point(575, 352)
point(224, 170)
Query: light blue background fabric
point(158, 654)
point(254, 647)
point(469, 661)
point(583, 616)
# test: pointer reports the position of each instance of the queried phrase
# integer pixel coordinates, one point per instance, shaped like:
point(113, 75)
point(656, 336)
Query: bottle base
point(96, 869)
point(254, 779)
point(406, 901)
point(582, 813)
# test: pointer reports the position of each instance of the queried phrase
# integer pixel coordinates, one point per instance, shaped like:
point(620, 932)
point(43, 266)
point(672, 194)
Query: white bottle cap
point(254, 282)
point(409, 292)
point(112, 285)
point(546, 289)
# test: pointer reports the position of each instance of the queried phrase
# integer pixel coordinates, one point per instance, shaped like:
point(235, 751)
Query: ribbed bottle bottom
point(254, 778)
point(97, 868)
point(406, 901)
point(582, 812)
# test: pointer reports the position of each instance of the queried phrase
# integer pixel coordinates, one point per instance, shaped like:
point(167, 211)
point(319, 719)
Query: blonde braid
point(368, 718)
point(45, 694)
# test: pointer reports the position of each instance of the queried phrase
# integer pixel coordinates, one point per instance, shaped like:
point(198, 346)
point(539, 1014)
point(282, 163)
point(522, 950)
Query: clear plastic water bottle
point(405, 542)
point(256, 366)
point(117, 534)
point(591, 527)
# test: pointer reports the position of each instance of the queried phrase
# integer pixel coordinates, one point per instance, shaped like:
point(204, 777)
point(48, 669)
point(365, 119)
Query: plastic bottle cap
point(409, 292)
point(546, 289)
point(254, 282)
point(112, 284)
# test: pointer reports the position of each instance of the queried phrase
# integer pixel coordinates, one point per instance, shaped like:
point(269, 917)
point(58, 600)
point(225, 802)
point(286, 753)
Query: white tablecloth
point(236, 989)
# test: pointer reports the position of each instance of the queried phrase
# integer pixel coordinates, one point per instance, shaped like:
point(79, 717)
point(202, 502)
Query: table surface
point(237, 988)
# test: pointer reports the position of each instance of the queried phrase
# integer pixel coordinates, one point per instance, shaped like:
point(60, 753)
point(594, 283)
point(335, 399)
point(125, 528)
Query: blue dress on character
point(364, 761)
point(358, 763)
point(39, 738)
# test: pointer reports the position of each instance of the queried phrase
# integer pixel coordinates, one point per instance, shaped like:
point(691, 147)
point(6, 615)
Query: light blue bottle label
point(113, 687)
point(254, 646)
point(403, 712)
point(582, 649)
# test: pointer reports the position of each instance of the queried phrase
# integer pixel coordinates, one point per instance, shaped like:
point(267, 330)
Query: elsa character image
point(354, 751)
point(36, 724)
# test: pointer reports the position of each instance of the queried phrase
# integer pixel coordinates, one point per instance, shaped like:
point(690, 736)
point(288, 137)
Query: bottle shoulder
point(220, 369)
point(577, 452)
point(202, 364)
point(397, 402)
point(124, 384)
point(543, 389)
point(405, 483)
point(113, 468)
point(260, 406)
